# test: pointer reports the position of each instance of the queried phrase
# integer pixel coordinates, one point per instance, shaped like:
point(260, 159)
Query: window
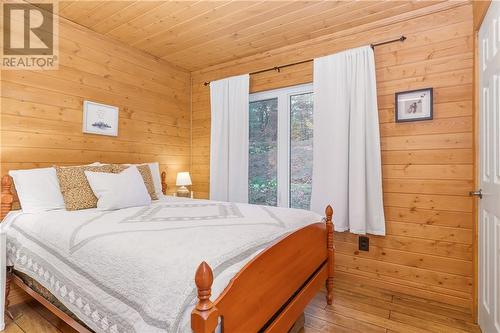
point(263, 152)
point(280, 148)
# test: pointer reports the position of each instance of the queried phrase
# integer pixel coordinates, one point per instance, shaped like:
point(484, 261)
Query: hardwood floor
point(356, 309)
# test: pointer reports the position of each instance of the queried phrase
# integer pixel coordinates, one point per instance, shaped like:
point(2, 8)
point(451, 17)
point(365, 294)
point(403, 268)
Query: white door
point(489, 171)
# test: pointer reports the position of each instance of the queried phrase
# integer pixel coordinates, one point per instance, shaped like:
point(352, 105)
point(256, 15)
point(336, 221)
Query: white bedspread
point(132, 270)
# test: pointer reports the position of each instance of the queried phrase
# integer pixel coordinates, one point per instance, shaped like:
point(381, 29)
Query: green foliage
point(263, 192)
point(263, 118)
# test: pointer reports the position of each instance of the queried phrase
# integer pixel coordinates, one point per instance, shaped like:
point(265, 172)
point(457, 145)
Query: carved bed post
point(7, 199)
point(331, 254)
point(7, 196)
point(164, 182)
point(204, 317)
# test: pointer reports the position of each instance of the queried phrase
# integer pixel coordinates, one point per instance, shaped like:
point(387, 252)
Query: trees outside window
point(280, 149)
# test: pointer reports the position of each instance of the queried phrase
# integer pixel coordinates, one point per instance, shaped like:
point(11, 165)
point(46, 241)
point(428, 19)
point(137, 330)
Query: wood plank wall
point(41, 111)
point(427, 166)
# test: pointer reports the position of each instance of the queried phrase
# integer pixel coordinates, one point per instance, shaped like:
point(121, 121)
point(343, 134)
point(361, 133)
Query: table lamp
point(183, 180)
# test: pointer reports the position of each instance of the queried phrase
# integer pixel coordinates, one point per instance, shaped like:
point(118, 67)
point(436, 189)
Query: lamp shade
point(183, 179)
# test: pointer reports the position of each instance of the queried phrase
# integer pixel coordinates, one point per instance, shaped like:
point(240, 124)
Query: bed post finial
point(204, 318)
point(330, 249)
point(164, 182)
point(7, 196)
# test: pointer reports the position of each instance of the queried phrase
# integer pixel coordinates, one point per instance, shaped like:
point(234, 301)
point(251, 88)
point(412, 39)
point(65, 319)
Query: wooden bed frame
point(269, 294)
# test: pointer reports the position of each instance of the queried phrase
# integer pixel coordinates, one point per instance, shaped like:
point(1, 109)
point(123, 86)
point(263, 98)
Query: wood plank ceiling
point(197, 34)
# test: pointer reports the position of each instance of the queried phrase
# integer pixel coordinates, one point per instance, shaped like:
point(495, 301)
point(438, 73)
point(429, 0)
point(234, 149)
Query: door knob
point(478, 193)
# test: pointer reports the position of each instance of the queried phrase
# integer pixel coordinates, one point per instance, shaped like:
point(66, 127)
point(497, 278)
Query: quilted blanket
point(132, 270)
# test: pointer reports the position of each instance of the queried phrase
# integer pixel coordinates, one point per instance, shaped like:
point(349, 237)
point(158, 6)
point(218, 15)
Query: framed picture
point(100, 118)
point(414, 105)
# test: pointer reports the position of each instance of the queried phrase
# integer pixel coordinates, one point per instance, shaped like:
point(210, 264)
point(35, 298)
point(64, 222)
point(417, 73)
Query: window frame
point(283, 136)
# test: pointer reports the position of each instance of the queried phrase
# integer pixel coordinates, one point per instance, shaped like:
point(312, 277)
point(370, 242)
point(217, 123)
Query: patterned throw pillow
point(75, 188)
point(146, 174)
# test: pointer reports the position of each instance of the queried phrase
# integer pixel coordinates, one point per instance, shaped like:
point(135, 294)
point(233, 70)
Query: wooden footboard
point(272, 290)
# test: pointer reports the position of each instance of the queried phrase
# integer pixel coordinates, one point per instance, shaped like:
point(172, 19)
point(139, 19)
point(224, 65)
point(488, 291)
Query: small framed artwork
point(414, 105)
point(100, 118)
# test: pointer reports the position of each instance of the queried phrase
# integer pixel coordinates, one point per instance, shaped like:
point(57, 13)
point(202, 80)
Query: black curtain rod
point(278, 68)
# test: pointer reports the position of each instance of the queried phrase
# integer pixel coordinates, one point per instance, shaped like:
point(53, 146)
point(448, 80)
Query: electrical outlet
point(364, 243)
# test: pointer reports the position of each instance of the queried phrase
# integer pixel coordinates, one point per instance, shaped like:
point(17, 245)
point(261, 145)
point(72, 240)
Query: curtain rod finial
point(402, 38)
point(206, 83)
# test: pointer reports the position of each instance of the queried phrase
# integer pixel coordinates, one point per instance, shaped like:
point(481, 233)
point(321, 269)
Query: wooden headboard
point(9, 199)
point(164, 182)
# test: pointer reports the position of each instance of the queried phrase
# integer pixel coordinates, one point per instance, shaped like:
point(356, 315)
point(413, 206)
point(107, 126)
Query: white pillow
point(38, 189)
point(155, 172)
point(119, 190)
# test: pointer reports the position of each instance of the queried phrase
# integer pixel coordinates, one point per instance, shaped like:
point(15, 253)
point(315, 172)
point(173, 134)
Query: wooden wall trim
point(475, 103)
point(479, 9)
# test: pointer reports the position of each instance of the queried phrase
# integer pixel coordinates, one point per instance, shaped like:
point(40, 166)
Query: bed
point(155, 268)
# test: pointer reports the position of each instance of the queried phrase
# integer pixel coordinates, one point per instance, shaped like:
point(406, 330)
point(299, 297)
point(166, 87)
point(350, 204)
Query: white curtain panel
point(229, 139)
point(347, 171)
